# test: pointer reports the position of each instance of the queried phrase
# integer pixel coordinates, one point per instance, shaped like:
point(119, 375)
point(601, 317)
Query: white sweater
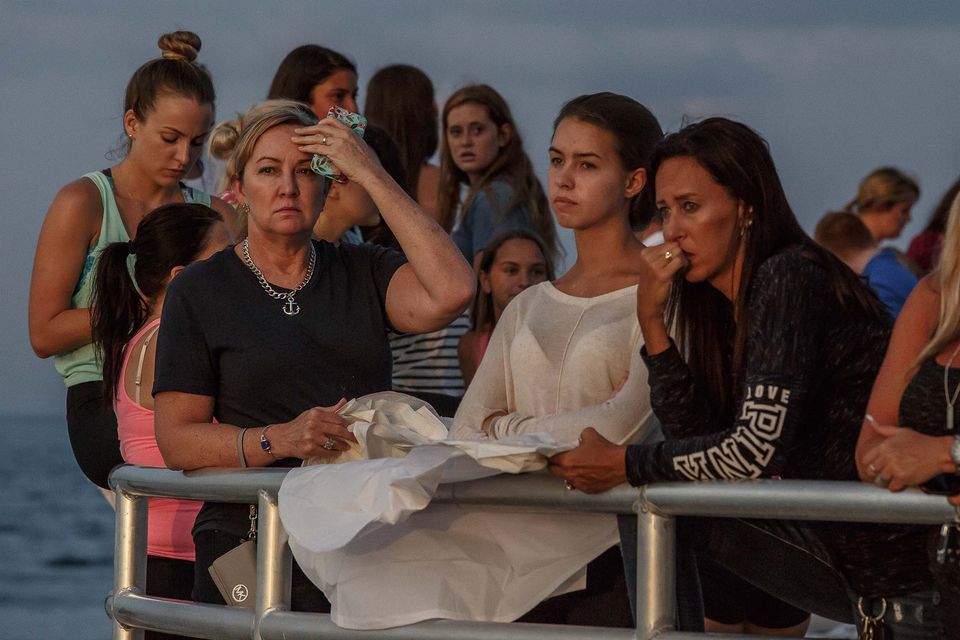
point(552, 365)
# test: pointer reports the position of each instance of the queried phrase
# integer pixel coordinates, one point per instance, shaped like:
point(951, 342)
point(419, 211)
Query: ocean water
point(56, 533)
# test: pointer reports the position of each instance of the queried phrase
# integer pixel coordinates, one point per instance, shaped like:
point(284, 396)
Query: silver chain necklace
point(951, 399)
point(290, 307)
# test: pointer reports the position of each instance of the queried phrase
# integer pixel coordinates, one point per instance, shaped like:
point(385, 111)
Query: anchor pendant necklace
point(290, 306)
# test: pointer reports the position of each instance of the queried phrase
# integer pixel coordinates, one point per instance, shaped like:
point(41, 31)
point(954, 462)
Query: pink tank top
point(169, 522)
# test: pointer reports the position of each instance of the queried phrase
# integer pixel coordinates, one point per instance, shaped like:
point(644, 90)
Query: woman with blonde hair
point(168, 113)
point(884, 200)
point(261, 342)
point(909, 436)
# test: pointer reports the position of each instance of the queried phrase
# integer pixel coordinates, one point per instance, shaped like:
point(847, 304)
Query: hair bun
point(223, 139)
point(179, 45)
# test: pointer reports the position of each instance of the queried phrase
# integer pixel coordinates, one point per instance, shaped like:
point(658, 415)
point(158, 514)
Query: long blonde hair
point(946, 277)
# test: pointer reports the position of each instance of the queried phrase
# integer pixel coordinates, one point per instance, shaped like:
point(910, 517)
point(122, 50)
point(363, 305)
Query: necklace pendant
point(949, 416)
point(290, 307)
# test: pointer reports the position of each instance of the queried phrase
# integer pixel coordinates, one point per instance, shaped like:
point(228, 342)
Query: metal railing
point(656, 506)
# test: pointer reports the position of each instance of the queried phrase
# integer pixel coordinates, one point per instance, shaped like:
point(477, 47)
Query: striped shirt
point(428, 362)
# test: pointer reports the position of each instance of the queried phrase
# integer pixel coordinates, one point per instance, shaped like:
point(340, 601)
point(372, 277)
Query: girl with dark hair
point(400, 99)
point(777, 344)
point(925, 248)
point(168, 112)
point(125, 318)
point(511, 262)
point(317, 76)
point(556, 359)
point(481, 148)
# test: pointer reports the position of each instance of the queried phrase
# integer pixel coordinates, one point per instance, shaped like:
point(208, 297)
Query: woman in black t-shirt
point(780, 343)
point(267, 336)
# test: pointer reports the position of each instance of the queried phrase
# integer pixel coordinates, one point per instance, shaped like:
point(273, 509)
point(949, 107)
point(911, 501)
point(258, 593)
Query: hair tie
point(131, 248)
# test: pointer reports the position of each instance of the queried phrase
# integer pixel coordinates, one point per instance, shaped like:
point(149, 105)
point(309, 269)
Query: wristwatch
point(955, 452)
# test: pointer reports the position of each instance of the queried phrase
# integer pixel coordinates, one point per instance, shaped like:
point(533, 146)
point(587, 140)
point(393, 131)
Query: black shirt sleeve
point(184, 361)
point(787, 311)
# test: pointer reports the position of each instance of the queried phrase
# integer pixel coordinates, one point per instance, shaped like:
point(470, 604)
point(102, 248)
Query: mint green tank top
point(80, 364)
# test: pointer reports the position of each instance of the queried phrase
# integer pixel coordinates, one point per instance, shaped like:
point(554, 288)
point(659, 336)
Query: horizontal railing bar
point(798, 500)
point(215, 485)
point(213, 622)
point(774, 499)
point(284, 625)
point(536, 490)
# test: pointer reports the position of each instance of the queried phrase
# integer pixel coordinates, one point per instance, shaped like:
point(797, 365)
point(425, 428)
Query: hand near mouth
point(658, 266)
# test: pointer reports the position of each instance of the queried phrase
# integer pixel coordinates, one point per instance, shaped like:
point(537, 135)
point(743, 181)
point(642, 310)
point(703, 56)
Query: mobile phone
point(321, 164)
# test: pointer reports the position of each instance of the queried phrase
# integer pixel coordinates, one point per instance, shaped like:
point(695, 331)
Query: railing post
point(656, 571)
point(274, 561)
point(130, 555)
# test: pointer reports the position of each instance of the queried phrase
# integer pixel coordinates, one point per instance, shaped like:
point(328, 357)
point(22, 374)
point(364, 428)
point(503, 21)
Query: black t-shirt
point(223, 336)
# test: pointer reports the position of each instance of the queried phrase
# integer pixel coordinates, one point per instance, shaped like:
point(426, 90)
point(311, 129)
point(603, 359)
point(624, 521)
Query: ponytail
point(117, 311)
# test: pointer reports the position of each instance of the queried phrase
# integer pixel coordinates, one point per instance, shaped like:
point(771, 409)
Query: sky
point(838, 88)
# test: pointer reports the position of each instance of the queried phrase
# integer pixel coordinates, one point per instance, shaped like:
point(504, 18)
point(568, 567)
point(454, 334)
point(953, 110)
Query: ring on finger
point(323, 139)
point(567, 485)
point(668, 256)
point(872, 469)
point(328, 445)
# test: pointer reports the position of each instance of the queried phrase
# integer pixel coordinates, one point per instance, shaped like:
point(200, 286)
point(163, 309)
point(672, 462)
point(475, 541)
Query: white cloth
point(357, 530)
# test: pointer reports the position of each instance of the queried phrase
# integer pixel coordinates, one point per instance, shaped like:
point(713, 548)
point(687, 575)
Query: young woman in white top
point(566, 353)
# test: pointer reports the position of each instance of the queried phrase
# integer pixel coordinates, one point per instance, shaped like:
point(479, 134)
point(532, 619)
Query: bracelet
point(955, 452)
point(243, 458)
point(264, 443)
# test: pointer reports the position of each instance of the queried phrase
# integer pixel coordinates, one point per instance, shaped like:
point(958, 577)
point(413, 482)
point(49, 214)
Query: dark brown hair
point(174, 72)
point(714, 345)
point(304, 68)
point(511, 164)
point(169, 236)
point(400, 99)
point(387, 152)
point(481, 313)
point(636, 131)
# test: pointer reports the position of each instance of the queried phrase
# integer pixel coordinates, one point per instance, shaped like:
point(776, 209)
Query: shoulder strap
point(143, 353)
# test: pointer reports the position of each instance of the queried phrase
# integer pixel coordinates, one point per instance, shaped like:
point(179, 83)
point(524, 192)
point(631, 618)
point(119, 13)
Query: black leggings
point(604, 603)
point(92, 427)
point(168, 578)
